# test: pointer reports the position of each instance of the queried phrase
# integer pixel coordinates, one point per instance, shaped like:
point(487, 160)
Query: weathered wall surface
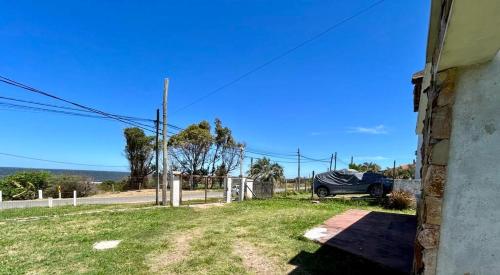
point(435, 152)
point(470, 228)
point(414, 186)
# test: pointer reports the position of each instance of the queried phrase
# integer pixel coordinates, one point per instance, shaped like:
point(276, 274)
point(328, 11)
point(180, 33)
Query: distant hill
point(93, 175)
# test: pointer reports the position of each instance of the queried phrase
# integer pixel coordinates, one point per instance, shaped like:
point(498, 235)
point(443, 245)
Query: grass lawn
point(260, 236)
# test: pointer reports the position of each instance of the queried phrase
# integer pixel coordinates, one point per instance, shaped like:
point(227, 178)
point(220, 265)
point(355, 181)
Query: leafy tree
point(221, 139)
point(24, 185)
point(191, 146)
point(265, 170)
point(402, 172)
point(365, 167)
point(139, 150)
point(197, 152)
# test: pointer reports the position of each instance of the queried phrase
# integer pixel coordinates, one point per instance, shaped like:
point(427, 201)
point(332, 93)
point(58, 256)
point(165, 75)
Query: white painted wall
point(470, 233)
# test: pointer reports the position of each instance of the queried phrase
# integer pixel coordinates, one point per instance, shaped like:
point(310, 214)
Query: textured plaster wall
point(470, 227)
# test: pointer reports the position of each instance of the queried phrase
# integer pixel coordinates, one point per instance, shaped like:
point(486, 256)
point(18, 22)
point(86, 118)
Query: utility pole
point(394, 170)
point(165, 149)
point(298, 169)
point(335, 164)
point(157, 150)
point(312, 186)
point(241, 161)
point(251, 164)
point(331, 160)
point(352, 159)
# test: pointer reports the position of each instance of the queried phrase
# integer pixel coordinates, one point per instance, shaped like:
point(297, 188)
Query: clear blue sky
point(348, 91)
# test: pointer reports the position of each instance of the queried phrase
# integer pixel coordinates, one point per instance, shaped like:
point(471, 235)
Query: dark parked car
point(352, 182)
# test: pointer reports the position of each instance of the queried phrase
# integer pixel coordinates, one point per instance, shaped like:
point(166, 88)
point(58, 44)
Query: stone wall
point(435, 151)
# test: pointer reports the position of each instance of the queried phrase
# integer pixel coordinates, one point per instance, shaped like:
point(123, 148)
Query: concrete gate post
point(228, 189)
point(175, 191)
point(241, 195)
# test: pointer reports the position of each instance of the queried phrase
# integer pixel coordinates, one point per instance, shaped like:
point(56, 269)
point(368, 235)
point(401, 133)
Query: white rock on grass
point(316, 233)
point(106, 245)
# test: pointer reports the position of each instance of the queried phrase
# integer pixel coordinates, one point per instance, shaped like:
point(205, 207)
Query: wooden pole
point(394, 170)
point(331, 162)
point(312, 187)
point(241, 161)
point(157, 151)
point(298, 169)
point(335, 163)
point(165, 148)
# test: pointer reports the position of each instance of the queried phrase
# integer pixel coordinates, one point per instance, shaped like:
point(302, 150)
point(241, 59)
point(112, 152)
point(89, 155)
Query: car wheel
point(376, 191)
point(322, 192)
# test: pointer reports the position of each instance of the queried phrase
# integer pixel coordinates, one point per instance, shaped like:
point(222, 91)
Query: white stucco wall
point(470, 232)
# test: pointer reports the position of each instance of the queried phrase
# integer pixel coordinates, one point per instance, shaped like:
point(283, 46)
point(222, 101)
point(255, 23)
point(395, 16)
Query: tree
point(402, 172)
point(265, 170)
point(139, 150)
point(221, 139)
point(366, 166)
point(191, 146)
point(24, 185)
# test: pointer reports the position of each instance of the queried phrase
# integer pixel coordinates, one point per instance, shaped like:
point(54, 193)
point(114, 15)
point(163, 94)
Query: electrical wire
point(280, 56)
point(60, 162)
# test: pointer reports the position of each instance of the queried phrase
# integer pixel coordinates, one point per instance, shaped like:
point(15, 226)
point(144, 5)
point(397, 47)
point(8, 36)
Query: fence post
point(50, 202)
point(206, 189)
point(228, 189)
point(40, 194)
point(74, 197)
point(242, 189)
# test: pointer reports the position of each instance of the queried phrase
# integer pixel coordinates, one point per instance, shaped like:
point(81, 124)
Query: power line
point(19, 107)
point(34, 90)
point(280, 56)
point(87, 111)
point(61, 162)
point(317, 160)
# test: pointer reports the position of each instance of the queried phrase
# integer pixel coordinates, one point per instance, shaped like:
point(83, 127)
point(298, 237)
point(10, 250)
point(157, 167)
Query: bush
point(24, 185)
point(110, 185)
point(68, 184)
point(400, 199)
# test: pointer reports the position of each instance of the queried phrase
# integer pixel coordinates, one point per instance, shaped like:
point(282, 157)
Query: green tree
point(402, 172)
point(222, 138)
point(139, 150)
point(24, 185)
point(265, 170)
point(365, 167)
point(191, 146)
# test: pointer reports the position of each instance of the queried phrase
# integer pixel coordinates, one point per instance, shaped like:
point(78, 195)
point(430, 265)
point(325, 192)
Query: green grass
point(63, 244)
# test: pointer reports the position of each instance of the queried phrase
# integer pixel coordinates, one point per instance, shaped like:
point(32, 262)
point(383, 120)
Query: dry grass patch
point(254, 259)
point(179, 250)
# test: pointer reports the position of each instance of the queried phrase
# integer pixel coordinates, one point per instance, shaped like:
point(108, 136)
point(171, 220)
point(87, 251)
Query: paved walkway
point(383, 238)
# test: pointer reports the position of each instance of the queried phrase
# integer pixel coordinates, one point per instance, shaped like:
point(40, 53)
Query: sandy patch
point(254, 259)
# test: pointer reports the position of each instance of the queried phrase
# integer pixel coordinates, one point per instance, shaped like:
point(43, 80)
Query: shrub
point(400, 199)
point(110, 185)
point(24, 185)
point(68, 184)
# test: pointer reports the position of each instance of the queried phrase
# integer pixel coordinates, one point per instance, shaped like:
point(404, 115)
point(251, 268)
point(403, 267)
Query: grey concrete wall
point(414, 186)
point(470, 232)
